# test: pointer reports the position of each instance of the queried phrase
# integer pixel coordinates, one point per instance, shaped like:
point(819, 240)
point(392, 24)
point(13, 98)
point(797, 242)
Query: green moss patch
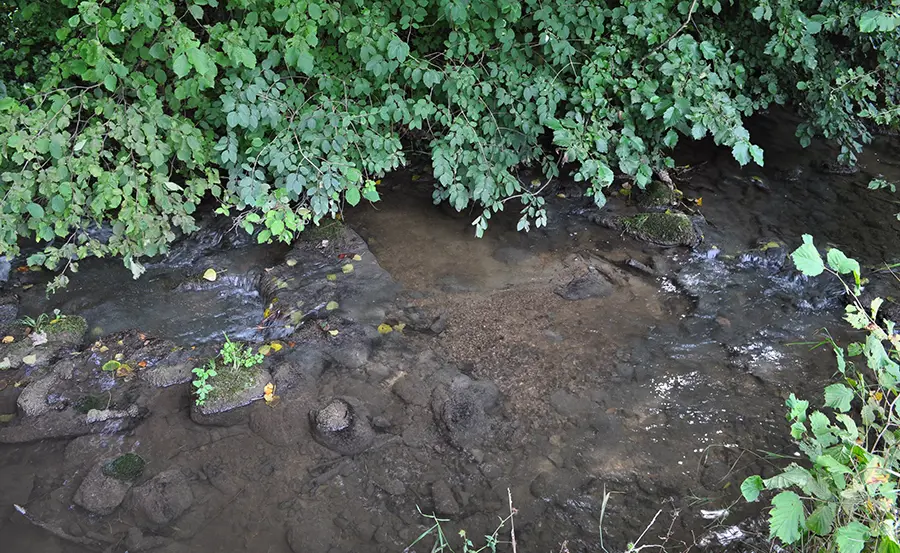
point(125, 467)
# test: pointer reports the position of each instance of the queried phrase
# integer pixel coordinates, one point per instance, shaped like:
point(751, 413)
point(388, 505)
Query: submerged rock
point(163, 498)
point(592, 284)
point(101, 493)
point(461, 408)
point(342, 426)
point(344, 273)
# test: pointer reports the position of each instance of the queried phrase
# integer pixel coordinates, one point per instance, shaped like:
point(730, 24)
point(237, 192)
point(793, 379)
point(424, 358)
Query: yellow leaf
point(276, 346)
point(535, 182)
point(119, 357)
point(699, 202)
point(331, 306)
point(291, 262)
point(333, 332)
point(269, 393)
point(8, 339)
point(399, 327)
point(357, 257)
point(331, 277)
point(27, 286)
point(30, 359)
point(384, 328)
point(266, 313)
point(210, 275)
point(7, 417)
point(348, 268)
point(560, 195)
point(878, 395)
point(265, 350)
point(124, 371)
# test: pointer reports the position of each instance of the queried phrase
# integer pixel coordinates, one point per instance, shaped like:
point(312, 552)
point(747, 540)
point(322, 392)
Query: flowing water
point(664, 392)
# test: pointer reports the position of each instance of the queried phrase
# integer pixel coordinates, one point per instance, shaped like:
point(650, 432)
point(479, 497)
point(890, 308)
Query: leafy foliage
point(134, 112)
point(849, 501)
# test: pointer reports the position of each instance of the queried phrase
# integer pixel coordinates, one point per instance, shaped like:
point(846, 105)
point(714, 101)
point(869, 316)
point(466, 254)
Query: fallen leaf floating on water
point(348, 268)
point(385, 328)
point(210, 275)
point(8, 339)
point(30, 359)
point(331, 306)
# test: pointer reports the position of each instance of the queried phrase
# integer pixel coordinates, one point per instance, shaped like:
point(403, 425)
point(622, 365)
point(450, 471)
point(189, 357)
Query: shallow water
point(665, 392)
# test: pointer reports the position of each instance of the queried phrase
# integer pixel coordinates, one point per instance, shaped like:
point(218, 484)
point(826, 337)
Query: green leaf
point(840, 263)
point(181, 66)
point(868, 21)
point(35, 210)
point(751, 487)
point(708, 50)
point(888, 545)
point(352, 195)
point(851, 538)
point(786, 519)
point(821, 520)
point(110, 82)
point(807, 259)
point(838, 396)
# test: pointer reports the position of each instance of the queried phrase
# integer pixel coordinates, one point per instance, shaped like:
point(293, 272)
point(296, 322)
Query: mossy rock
point(86, 403)
point(665, 229)
point(70, 329)
point(657, 195)
point(127, 468)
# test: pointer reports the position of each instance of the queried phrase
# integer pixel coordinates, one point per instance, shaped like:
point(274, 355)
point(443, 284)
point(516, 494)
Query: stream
point(538, 370)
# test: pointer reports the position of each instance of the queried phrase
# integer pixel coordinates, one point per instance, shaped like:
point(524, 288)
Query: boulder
point(163, 498)
point(102, 490)
point(342, 426)
point(664, 229)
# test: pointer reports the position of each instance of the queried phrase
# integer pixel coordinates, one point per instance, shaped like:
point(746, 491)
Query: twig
point(93, 541)
point(512, 522)
point(673, 35)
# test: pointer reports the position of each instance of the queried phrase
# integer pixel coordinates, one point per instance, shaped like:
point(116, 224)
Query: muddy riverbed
point(549, 367)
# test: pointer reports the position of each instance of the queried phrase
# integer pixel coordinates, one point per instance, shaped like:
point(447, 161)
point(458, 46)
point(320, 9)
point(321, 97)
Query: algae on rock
point(665, 229)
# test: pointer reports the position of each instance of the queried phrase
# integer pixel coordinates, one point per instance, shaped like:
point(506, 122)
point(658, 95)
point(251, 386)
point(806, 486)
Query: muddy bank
point(555, 366)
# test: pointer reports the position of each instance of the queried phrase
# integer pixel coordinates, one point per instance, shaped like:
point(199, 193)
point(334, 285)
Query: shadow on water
point(611, 365)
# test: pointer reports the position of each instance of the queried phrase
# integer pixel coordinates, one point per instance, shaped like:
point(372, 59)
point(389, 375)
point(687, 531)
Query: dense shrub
point(133, 112)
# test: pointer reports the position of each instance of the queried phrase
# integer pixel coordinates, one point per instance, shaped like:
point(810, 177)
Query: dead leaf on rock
point(210, 275)
point(8, 339)
point(30, 359)
point(347, 269)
